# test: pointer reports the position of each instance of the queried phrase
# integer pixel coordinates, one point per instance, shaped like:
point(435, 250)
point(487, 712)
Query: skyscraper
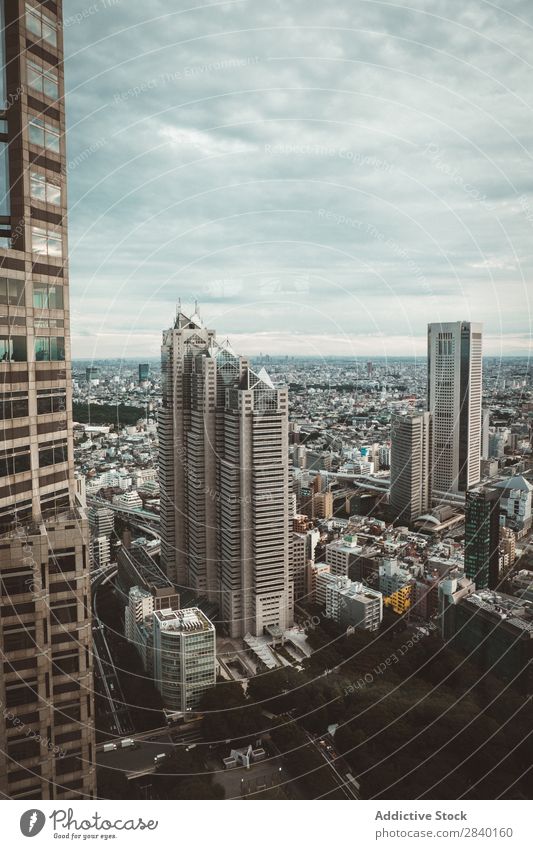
point(482, 537)
point(46, 729)
point(410, 493)
point(454, 401)
point(144, 372)
point(223, 471)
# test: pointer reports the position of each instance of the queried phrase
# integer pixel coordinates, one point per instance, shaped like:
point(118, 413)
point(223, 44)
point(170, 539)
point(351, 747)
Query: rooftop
point(183, 621)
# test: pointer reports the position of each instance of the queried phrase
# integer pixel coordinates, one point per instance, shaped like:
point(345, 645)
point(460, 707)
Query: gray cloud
point(331, 172)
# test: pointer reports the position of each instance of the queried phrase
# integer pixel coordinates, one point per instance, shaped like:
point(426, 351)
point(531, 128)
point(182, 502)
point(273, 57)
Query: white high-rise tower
point(223, 435)
point(454, 400)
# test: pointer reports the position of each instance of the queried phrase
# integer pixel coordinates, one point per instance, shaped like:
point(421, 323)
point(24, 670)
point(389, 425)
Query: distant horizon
point(364, 358)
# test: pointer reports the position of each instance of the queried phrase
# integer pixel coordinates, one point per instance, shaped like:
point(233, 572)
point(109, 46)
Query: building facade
point(410, 491)
point(482, 537)
point(351, 604)
point(184, 652)
point(454, 401)
point(224, 476)
point(47, 725)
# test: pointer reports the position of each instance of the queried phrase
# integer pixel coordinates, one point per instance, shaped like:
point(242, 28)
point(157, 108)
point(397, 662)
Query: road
point(140, 761)
point(331, 758)
point(107, 682)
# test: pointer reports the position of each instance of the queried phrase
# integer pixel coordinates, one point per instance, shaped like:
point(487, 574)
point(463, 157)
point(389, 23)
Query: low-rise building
point(351, 604)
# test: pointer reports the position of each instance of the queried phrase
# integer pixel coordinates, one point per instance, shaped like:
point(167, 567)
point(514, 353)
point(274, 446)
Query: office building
point(140, 606)
point(184, 657)
point(454, 401)
point(100, 551)
point(482, 537)
point(47, 722)
point(303, 547)
point(101, 521)
point(144, 372)
point(342, 555)
point(507, 548)
point(92, 375)
point(410, 491)
point(454, 587)
point(224, 477)
point(515, 503)
point(351, 604)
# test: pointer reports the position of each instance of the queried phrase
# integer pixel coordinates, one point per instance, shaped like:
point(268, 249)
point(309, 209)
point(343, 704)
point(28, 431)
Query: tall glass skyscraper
point(454, 401)
point(47, 725)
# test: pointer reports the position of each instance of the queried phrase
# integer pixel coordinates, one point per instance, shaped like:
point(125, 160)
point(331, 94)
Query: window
point(43, 189)
point(62, 563)
point(48, 323)
point(16, 584)
point(17, 637)
point(66, 662)
point(44, 134)
point(43, 80)
point(40, 25)
point(46, 242)
point(12, 349)
point(53, 454)
point(12, 292)
point(64, 613)
point(47, 297)
point(49, 348)
point(55, 403)
point(14, 463)
point(13, 407)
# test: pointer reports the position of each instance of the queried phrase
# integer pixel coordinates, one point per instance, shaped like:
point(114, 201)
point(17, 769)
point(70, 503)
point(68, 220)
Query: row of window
point(52, 455)
point(13, 349)
point(14, 463)
point(45, 296)
point(48, 401)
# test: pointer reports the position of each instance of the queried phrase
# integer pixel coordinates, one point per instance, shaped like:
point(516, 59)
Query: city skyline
point(293, 560)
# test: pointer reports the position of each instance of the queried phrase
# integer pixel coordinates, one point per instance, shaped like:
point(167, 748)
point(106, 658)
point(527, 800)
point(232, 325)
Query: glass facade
point(44, 189)
point(40, 25)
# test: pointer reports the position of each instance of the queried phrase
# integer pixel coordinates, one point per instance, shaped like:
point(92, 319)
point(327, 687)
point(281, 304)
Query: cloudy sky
point(325, 178)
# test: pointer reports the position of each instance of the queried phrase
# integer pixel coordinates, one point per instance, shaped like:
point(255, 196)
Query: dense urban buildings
point(454, 401)
point(224, 477)
point(47, 724)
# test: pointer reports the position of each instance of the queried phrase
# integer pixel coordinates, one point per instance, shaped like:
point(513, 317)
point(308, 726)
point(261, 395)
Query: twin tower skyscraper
point(224, 477)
